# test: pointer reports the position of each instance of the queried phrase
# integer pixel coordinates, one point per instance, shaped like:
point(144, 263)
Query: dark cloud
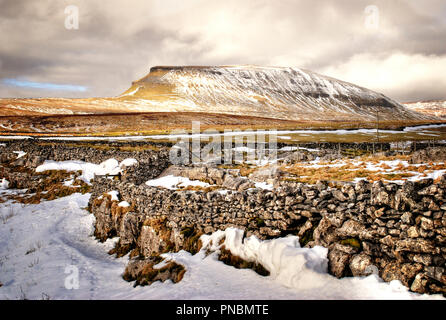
point(118, 41)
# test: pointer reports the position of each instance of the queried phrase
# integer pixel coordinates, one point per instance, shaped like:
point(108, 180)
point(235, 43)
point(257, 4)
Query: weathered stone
point(415, 245)
point(337, 194)
point(350, 191)
point(388, 241)
point(428, 155)
point(406, 197)
point(325, 234)
point(437, 273)
point(406, 217)
point(405, 272)
point(338, 258)
point(149, 241)
point(419, 284)
point(424, 259)
point(427, 224)
point(362, 187)
point(216, 175)
point(233, 183)
point(371, 249)
point(361, 265)
point(264, 173)
point(350, 228)
point(412, 232)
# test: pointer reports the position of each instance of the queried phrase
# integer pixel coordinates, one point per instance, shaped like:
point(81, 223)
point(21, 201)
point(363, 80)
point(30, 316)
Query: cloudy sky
point(396, 47)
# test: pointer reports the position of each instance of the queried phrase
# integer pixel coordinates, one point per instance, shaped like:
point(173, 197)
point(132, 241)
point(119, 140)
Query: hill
point(267, 92)
point(433, 107)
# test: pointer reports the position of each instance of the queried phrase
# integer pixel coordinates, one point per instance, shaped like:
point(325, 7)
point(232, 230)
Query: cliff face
point(283, 93)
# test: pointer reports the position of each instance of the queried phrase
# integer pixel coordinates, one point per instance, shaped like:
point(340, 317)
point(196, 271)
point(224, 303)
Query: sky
point(395, 47)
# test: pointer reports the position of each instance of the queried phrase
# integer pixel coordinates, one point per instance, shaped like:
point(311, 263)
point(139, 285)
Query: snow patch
point(89, 170)
point(20, 154)
point(132, 92)
point(264, 185)
point(128, 162)
point(4, 184)
point(114, 195)
point(68, 183)
point(173, 182)
point(124, 204)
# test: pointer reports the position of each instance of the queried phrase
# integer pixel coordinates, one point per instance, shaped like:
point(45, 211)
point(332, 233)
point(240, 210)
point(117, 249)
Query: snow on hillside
point(43, 246)
point(436, 108)
point(270, 92)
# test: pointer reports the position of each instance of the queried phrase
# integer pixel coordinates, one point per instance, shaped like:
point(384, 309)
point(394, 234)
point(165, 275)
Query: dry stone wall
point(399, 231)
point(396, 230)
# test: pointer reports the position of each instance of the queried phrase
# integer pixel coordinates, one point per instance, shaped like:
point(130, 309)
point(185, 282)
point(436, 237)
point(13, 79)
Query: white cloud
point(117, 43)
point(401, 76)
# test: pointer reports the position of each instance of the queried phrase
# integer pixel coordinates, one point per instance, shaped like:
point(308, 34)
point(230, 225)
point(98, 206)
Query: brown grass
point(51, 187)
point(349, 171)
point(244, 169)
point(120, 123)
point(149, 274)
point(200, 189)
point(232, 260)
point(128, 148)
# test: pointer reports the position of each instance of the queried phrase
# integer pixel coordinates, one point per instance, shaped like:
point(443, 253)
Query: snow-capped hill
point(434, 107)
point(284, 93)
point(267, 92)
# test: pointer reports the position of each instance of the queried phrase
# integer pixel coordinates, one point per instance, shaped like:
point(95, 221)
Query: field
point(164, 123)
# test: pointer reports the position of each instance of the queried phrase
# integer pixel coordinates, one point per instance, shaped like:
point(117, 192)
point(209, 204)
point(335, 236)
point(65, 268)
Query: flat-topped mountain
point(283, 93)
point(267, 92)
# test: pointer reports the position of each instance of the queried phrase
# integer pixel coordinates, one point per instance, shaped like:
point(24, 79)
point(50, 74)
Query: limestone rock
point(360, 265)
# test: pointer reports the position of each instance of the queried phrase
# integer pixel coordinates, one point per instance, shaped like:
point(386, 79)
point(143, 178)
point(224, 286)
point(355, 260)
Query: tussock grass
point(244, 168)
point(351, 171)
point(376, 159)
point(52, 187)
point(199, 188)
